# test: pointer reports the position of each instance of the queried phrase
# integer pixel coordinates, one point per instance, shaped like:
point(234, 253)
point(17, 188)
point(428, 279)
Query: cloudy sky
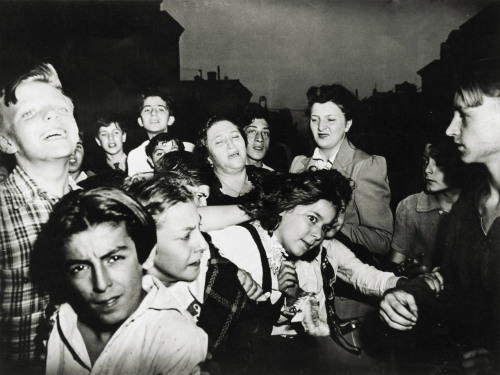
point(279, 48)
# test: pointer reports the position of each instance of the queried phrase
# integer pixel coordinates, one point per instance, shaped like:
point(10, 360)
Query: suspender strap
point(266, 270)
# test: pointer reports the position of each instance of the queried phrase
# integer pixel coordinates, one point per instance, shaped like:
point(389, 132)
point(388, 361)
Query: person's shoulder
point(298, 163)
point(410, 200)
point(139, 149)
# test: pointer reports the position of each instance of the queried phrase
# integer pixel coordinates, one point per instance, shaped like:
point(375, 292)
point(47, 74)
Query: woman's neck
point(233, 184)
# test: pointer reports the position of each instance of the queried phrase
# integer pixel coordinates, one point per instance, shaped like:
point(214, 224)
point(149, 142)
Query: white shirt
point(236, 244)
point(158, 338)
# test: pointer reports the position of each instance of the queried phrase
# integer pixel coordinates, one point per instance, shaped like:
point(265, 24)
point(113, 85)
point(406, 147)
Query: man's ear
point(171, 120)
point(139, 121)
point(6, 145)
point(98, 142)
point(150, 162)
point(124, 137)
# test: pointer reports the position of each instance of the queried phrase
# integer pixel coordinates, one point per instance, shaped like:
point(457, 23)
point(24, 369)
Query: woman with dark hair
point(285, 251)
point(418, 216)
point(368, 219)
point(222, 145)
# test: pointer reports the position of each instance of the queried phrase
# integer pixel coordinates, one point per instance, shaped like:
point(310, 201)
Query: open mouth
point(108, 303)
point(54, 135)
point(234, 154)
point(72, 161)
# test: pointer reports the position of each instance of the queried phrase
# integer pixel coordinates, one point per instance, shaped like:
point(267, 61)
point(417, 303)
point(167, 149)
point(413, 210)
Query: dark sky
point(279, 48)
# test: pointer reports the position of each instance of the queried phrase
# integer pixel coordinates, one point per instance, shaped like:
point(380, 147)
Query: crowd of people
point(184, 259)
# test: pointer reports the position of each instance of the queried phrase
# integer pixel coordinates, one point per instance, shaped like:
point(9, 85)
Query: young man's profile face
point(42, 123)
point(155, 116)
point(104, 274)
point(111, 138)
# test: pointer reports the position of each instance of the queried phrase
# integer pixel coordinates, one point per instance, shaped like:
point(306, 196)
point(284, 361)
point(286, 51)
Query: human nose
point(454, 128)
point(317, 232)
point(259, 137)
point(51, 114)
point(102, 281)
point(321, 125)
point(229, 142)
point(429, 169)
point(200, 242)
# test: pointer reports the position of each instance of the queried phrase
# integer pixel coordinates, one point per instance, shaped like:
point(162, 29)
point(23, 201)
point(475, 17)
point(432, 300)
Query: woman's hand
point(288, 282)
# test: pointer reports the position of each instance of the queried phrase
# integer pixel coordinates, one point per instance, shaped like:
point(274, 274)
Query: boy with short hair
point(160, 145)
point(111, 319)
point(110, 135)
point(37, 126)
point(156, 115)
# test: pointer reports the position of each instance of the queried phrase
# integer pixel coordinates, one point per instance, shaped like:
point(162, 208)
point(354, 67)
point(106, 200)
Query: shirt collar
point(427, 202)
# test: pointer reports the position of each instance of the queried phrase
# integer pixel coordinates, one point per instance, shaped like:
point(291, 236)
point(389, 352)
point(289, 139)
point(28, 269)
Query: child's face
point(111, 139)
point(155, 116)
point(104, 273)
point(163, 148)
point(180, 243)
point(304, 227)
point(76, 158)
point(42, 124)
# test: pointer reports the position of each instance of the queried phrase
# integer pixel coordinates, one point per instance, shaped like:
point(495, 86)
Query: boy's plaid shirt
point(24, 208)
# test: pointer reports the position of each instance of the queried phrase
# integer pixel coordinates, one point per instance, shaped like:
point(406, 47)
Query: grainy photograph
point(249, 187)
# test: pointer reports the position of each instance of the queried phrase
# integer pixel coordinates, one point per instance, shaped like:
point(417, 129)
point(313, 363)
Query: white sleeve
point(365, 278)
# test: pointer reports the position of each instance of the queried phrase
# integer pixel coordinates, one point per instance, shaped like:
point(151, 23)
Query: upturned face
point(104, 273)
point(258, 139)
point(155, 116)
point(226, 147)
point(304, 227)
point(476, 131)
point(328, 125)
point(42, 125)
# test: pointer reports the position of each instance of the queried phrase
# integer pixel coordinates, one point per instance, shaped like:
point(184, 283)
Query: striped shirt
point(24, 208)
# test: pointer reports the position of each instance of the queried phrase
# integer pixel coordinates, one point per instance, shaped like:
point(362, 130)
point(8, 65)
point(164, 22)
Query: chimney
point(201, 73)
point(218, 73)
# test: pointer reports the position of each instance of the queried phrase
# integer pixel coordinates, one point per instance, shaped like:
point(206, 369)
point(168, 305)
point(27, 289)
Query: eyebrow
point(110, 253)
